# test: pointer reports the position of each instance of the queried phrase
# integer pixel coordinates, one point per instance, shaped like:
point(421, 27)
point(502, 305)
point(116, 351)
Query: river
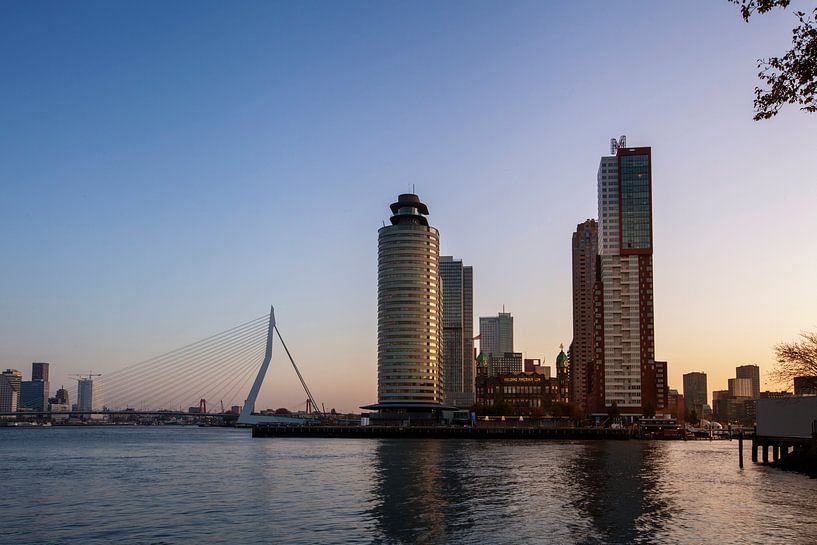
point(189, 485)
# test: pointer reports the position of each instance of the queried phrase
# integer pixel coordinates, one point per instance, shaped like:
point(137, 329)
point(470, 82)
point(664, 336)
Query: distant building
point(33, 396)
point(458, 331)
point(661, 388)
point(774, 395)
point(89, 396)
point(585, 258)
point(805, 386)
point(496, 334)
point(562, 376)
point(751, 372)
point(10, 381)
point(61, 396)
point(535, 366)
point(514, 394)
point(507, 363)
point(741, 387)
point(695, 392)
point(39, 371)
point(720, 406)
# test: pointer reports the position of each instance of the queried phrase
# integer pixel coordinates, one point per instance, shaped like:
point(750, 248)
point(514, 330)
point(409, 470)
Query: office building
point(624, 368)
point(409, 306)
point(752, 372)
point(33, 396)
point(562, 376)
point(39, 371)
point(695, 392)
point(496, 334)
point(61, 397)
point(89, 395)
point(741, 387)
point(661, 388)
point(10, 381)
point(720, 405)
point(585, 259)
point(507, 363)
point(805, 386)
point(458, 331)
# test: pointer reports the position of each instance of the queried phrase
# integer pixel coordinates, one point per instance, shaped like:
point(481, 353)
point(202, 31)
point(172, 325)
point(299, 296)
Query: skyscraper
point(695, 392)
point(625, 345)
point(39, 371)
point(751, 372)
point(496, 334)
point(409, 301)
point(585, 257)
point(10, 381)
point(458, 331)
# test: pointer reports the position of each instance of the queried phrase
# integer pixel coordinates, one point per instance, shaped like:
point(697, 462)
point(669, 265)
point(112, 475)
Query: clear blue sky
point(168, 170)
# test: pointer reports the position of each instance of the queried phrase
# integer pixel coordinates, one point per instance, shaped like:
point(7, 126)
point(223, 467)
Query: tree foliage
point(792, 78)
point(796, 358)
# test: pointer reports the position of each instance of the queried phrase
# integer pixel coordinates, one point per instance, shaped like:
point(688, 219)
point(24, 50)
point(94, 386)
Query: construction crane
point(86, 377)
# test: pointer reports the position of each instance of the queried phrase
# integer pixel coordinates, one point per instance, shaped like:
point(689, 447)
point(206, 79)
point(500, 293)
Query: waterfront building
point(563, 365)
point(585, 258)
point(458, 331)
point(89, 396)
point(507, 363)
point(805, 386)
point(752, 372)
point(741, 387)
point(409, 314)
point(720, 405)
point(39, 371)
point(496, 334)
point(10, 381)
point(661, 388)
point(514, 394)
point(624, 366)
point(61, 396)
point(33, 396)
point(695, 392)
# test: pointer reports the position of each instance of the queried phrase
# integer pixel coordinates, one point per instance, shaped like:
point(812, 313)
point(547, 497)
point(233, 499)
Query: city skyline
point(126, 244)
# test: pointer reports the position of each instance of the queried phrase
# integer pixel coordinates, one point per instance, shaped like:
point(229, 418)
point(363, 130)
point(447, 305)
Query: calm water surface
point(175, 485)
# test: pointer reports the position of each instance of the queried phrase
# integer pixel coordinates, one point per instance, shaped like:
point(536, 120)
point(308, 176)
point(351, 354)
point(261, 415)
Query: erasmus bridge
point(216, 370)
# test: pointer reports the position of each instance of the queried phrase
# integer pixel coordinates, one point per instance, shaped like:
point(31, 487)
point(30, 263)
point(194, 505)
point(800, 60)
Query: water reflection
point(616, 489)
point(418, 491)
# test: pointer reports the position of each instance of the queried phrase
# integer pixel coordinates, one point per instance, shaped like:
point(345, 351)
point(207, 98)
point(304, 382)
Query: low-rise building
point(514, 394)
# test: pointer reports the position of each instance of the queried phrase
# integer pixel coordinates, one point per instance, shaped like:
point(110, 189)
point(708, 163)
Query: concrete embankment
point(438, 432)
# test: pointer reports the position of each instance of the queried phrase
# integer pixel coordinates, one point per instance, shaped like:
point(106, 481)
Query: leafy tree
point(692, 416)
point(649, 410)
point(282, 410)
point(792, 78)
point(796, 359)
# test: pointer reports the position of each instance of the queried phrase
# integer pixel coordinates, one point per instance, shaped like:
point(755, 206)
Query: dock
point(438, 432)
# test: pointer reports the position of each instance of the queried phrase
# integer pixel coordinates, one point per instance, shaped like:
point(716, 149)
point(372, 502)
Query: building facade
point(585, 258)
point(742, 387)
point(514, 394)
point(507, 363)
point(695, 392)
point(805, 386)
point(625, 345)
point(39, 371)
point(458, 331)
point(33, 396)
point(661, 388)
point(409, 305)
point(10, 381)
point(496, 334)
point(752, 372)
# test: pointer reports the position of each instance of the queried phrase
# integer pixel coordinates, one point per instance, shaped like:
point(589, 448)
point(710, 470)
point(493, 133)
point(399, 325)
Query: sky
point(170, 170)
